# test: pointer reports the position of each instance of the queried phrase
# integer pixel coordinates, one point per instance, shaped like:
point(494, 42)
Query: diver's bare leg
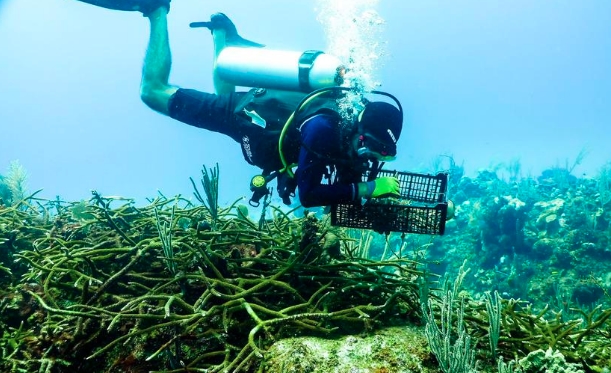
point(155, 89)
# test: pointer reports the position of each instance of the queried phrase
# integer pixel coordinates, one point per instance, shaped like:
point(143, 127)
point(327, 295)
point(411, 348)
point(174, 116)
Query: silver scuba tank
point(277, 69)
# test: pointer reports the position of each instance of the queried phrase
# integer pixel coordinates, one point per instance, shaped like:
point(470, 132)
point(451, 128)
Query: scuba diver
point(331, 155)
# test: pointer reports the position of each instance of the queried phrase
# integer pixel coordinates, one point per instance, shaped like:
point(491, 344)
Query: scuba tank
point(277, 69)
point(241, 62)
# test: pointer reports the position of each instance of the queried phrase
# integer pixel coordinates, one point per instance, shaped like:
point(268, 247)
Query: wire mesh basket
point(421, 208)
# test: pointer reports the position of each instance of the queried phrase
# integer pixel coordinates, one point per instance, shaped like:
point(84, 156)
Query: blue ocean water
point(488, 84)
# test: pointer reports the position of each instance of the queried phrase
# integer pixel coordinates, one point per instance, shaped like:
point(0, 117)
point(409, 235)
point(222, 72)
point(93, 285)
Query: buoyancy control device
point(283, 115)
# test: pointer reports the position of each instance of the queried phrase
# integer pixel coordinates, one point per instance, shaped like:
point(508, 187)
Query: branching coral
point(108, 296)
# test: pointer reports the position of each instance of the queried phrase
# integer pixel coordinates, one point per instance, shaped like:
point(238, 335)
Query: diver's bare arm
point(155, 91)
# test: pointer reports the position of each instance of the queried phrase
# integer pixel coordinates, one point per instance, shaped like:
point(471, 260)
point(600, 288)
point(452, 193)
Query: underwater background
point(511, 99)
point(486, 82)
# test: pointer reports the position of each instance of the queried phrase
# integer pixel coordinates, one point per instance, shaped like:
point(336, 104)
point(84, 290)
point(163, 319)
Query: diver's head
point(379, 128)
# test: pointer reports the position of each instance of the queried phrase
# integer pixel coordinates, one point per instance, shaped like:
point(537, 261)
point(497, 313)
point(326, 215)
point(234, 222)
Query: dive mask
point(372, 148)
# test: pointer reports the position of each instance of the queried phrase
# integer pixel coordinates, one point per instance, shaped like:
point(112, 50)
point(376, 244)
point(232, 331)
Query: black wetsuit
point(319, 153)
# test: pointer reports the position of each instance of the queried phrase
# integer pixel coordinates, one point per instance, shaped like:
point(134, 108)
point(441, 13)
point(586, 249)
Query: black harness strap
point(306, 61)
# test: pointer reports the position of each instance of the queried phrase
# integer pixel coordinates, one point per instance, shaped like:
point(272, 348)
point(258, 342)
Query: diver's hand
point(386, 187)
point(381, 187)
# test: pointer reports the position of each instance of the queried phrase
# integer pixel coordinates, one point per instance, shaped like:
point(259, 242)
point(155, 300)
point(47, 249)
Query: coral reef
point(549, 361)
point(13, 186)
point(158, 288)
point(107, 286)
point(545, 240)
